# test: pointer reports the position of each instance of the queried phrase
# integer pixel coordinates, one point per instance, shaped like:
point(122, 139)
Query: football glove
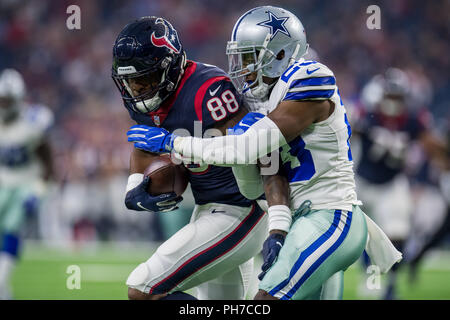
point(152, 139)
point(271, 249)
point(140, 200)
point(246, 122)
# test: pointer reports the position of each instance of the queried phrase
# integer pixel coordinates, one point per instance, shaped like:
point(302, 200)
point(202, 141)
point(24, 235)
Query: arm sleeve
point(249, 181)
point(261, 138)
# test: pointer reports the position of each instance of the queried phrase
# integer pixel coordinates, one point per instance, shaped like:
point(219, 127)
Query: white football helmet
point(12, 93)
point(258, 37)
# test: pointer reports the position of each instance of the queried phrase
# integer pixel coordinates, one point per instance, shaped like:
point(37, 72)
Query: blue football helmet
point(148, 63)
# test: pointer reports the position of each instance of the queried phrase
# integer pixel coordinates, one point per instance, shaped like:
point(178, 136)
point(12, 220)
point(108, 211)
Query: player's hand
point(246, 122)
point(151, 139)
point(271, 249)
point(140, 200)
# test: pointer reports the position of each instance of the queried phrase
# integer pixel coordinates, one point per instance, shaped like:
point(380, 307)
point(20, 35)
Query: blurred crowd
point(70, 72)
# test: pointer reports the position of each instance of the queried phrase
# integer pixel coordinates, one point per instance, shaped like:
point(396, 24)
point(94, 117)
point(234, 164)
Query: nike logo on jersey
point(311, 71)
point(212, 93)
point(279, 243)
point(217, 211)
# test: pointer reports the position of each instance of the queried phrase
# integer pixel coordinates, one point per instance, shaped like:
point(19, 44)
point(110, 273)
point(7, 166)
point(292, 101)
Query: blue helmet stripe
point(318, 81)
point(309, 94)
point(239, 22)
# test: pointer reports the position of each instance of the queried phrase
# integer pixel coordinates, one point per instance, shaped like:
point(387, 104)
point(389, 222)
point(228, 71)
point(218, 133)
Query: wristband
point(280, 218)
point(134, 180)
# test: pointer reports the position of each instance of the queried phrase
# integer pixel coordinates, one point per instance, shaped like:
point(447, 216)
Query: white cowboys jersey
point(18, 142)
point(318, 163)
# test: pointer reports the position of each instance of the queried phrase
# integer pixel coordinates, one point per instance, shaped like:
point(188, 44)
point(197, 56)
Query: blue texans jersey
point(204, 98)
point(384, 143)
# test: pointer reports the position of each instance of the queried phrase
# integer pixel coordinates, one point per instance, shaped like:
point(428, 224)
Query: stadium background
point(84, 221)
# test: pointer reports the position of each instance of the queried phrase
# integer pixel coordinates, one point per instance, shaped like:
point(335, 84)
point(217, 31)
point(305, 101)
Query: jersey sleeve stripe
point(312, 94)
point(307, 63)
point(312, 88)
point(317, 81)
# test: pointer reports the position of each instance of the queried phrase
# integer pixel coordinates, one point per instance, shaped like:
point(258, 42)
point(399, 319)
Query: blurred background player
point(430, 185)
point(25, 167)
point(161, 88)
point(387, 127)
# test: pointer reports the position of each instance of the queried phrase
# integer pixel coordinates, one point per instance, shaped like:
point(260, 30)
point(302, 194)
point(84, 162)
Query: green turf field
point(42, 273)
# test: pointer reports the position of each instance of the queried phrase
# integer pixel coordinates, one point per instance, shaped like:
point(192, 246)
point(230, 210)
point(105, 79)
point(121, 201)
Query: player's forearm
point(139, 160)
point(276, 188)
point(262, 138)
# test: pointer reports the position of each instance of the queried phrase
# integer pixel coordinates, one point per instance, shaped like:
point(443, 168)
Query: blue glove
point(245, 123)
point(140, 200)
point(151, 139)
point(271, 249)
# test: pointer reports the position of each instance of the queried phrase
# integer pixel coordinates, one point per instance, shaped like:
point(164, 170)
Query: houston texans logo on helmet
point(169, 39)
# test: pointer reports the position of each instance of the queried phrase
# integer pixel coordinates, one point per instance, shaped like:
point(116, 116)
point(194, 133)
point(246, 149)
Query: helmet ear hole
point(280, 55)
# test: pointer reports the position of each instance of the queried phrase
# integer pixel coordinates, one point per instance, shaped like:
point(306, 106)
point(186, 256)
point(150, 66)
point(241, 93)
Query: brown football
point(165, 176)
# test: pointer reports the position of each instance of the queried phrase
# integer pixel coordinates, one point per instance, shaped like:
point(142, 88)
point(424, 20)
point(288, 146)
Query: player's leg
point(11, 218)
point(333, 288)
point(394, 216)
point(318, 245)
point(233, 285)
point(218, 238)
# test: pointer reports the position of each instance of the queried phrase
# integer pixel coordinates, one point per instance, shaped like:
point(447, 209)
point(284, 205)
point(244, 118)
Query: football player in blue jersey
point(318, 230)
point(161, 88)
point(25, 167)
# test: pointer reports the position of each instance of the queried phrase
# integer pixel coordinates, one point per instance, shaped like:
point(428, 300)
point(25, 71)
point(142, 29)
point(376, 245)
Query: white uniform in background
point(23, 129)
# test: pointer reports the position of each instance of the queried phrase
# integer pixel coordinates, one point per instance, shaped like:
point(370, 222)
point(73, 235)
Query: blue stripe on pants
point(322, 258)
point(310, 250)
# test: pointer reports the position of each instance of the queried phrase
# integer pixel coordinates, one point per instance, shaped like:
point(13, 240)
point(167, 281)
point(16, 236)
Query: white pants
point(388, 204)
point(213, 252)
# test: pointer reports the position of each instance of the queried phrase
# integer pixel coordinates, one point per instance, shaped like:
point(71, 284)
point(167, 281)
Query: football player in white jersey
point(318, 231)
point(25, 165)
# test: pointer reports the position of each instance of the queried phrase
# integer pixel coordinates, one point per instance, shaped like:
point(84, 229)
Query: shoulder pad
point(309, 80)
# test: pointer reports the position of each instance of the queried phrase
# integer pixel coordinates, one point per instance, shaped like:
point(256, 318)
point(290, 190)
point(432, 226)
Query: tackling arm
point(282, 125)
